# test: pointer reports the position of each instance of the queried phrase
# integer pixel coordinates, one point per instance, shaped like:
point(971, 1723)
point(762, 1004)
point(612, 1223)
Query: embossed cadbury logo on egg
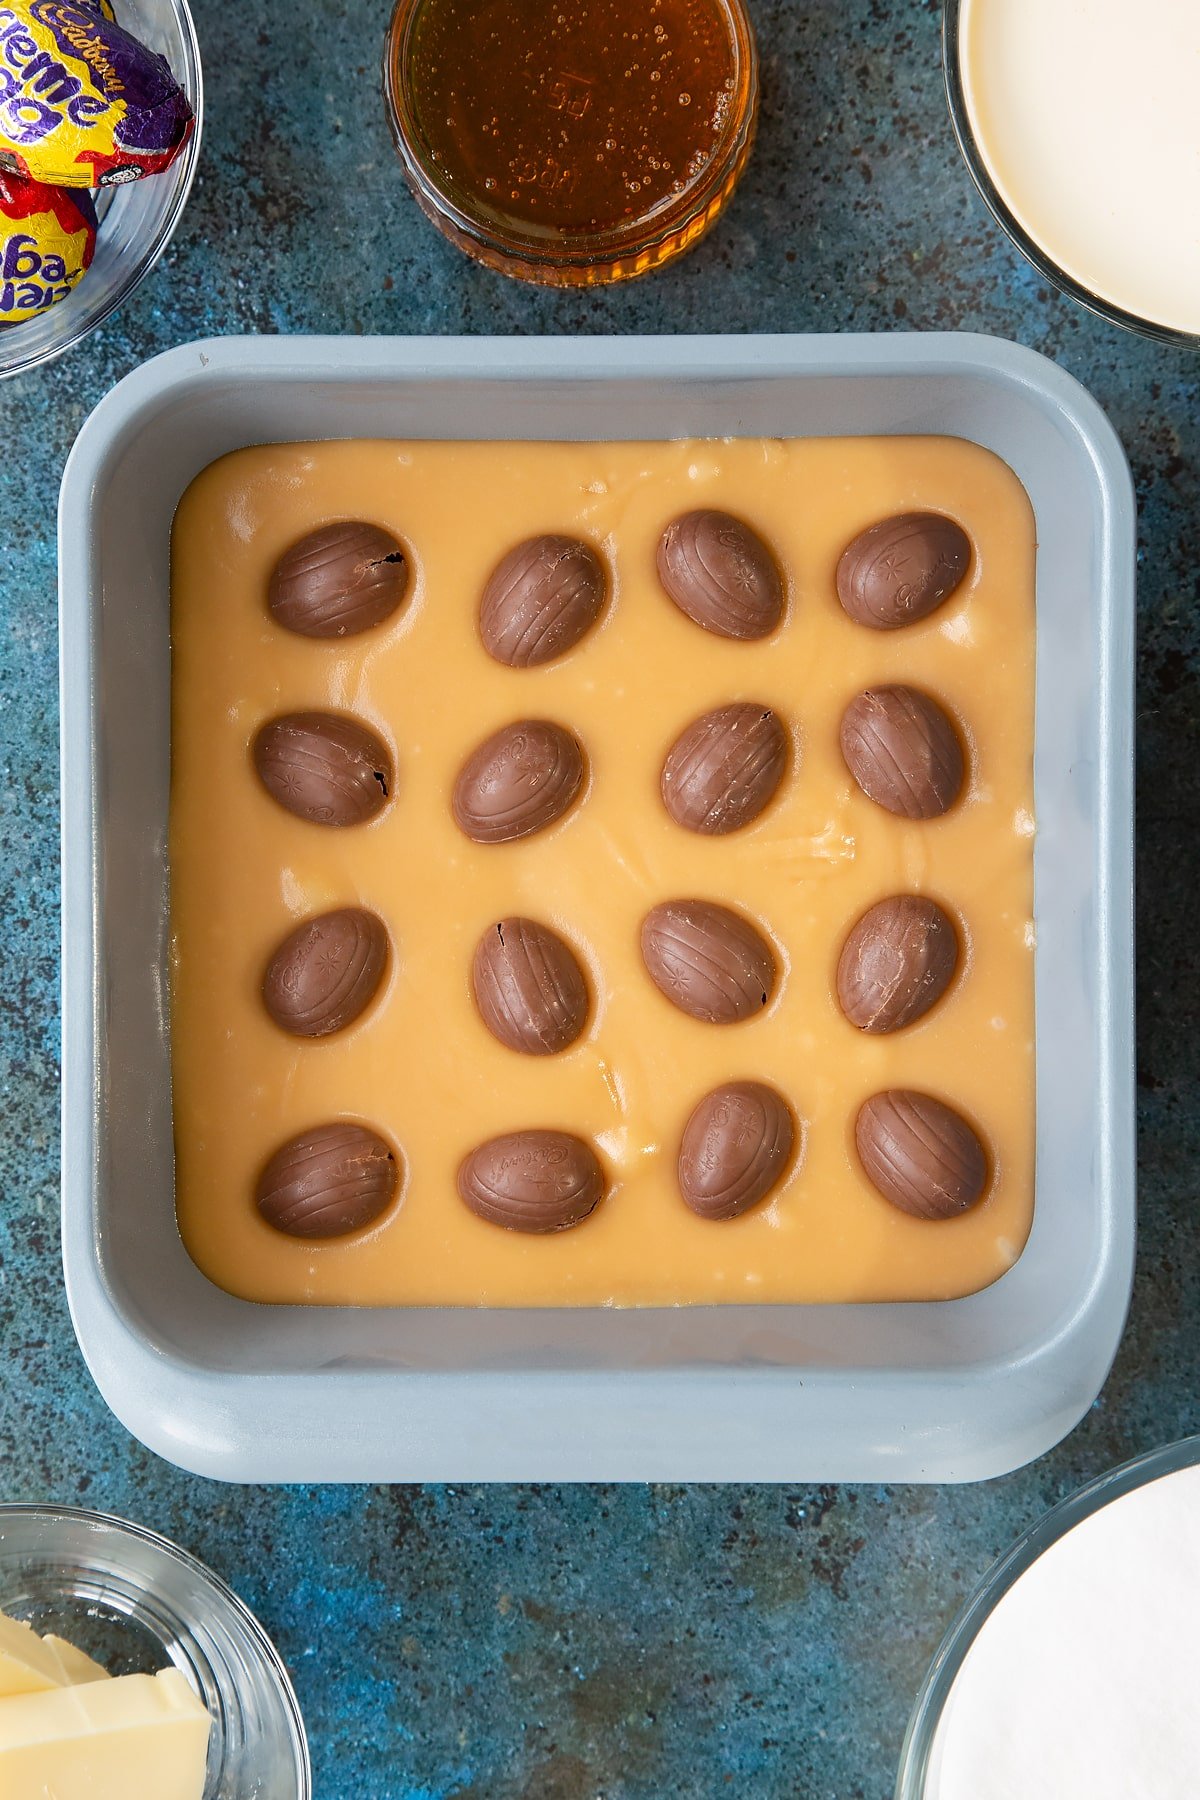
point(326, 972)
point(532, 1181)
point(719, 572)
point(900, 570)
point(735, 1149)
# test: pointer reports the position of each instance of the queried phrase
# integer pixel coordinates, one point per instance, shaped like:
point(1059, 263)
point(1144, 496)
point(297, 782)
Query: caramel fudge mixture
point(419, 1066)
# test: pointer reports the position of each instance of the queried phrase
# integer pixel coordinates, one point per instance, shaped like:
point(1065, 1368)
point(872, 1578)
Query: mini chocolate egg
point(920, 1154)
point(338, 581)
point(896, 963)
point(719, 572)
point(528, 986)
point(326, 972)
point(902, 569)
point(518, 781)
point(328, 1181)
point(723, 770)
point(904, 752)
point(324, 767)
point(533, 1181)
point(712, 963)
point(735, 1148)
point(540, 600)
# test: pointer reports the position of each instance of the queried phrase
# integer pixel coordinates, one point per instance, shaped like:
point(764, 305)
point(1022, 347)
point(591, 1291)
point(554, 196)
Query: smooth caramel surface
point(420, 1066)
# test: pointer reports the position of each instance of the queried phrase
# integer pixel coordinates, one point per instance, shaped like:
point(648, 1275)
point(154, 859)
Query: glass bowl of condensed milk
point(1079, 122)
point(1070, 1674)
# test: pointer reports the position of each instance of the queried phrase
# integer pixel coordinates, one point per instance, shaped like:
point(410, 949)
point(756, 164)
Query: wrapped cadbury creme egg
point(47, 237)
point(82, 103)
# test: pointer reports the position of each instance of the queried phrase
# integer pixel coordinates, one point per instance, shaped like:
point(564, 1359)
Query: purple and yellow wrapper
point(82, 103)
point(47, 239)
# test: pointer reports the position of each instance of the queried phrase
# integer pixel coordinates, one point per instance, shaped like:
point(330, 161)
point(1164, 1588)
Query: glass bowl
point(137, 1604)
point(136, 220)
point(1033, 252)
point(921, 1736)
point(574, 256)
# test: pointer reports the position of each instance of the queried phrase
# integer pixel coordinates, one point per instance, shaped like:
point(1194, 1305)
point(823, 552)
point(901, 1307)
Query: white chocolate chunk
point(26, 1665)
point(135, 1737)
point(77, 1667)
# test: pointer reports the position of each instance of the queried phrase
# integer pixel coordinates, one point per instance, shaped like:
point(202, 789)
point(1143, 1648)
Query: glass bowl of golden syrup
point(571, 142)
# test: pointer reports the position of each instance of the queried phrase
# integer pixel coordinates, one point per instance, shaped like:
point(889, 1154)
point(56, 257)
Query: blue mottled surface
point(568, 1644)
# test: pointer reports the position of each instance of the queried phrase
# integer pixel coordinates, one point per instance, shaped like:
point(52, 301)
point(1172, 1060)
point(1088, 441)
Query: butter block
point(26, 1665)
point(75, 1664)
point(135, 1737)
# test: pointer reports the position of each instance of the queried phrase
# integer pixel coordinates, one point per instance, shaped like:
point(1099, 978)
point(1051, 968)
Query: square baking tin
point(943, 1391)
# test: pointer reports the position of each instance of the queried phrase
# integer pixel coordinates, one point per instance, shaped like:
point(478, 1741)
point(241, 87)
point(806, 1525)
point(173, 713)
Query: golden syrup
point(579, 133)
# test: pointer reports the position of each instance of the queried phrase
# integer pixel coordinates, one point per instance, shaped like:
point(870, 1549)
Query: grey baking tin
point(948, 1391)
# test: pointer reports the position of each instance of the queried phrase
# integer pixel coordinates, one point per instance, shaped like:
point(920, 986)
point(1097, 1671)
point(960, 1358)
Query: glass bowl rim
point(584, 249)
point(1030, 249)
point(248, 1620)
point(1004, 1572)
point(191, 78)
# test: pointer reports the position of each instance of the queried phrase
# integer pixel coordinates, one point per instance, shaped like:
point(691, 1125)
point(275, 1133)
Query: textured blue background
point(579, 1643)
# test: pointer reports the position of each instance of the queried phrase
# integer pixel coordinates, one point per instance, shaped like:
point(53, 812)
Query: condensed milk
point(1084, 114)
